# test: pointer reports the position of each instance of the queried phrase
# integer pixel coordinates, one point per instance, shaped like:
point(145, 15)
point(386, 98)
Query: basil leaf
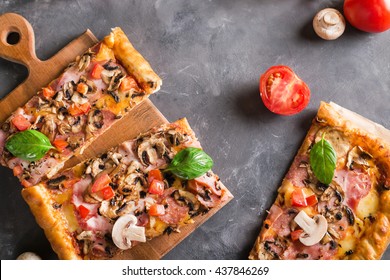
point(29, 145)
point(323, 161)
point(190, 163)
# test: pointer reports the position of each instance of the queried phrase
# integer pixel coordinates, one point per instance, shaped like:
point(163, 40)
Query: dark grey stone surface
point(210, 55)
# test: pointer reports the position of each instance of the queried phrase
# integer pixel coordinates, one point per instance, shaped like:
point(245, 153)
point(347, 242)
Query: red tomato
point(157, 210)
point(60, 144)
point(311, 200)
point(82, 88)
point(368, 15)
point(282, 91)
point(48, 92)
point(101, 182)
point(20, 122)
point(96, 71)
point(155, 174)
point(127, 84)
point(83, 211)
point(156, 187)
point(296, 234)
point(79, 109)
point(107, 193)
point(298, 198)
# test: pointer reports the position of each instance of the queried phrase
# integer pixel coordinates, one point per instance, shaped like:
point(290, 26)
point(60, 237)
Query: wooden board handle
point(22, 51)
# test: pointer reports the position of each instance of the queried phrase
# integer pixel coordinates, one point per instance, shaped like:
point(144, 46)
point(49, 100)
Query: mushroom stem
point(314, 229)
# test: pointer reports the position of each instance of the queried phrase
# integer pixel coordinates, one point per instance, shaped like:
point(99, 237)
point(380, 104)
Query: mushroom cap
point(314, 229)
point(329, 24)
point(28, 256)
point(126, 230)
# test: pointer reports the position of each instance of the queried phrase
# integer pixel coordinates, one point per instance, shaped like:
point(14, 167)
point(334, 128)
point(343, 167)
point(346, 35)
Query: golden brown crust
point(133, 61)
point(51, 221)
point(375, 139)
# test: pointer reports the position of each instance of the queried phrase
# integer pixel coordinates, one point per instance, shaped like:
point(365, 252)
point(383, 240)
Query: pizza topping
point(323, 160)
point(190, 163)
point(20, 122)
point(358, 158)
point(174, 212)
point(125, 231)
point(30, 145)
point(84, 61)
point(185, 198)
point(314, 229)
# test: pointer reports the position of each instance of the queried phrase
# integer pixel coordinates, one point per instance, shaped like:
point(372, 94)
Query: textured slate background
point(210, 55)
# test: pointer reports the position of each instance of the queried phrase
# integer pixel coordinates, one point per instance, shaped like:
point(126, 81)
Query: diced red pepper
point(61, 145)
point(48, 92)
point(311, 200)
point(155, 174)
point(296, 234)
point(18, 170)
point(20, 122)
point(127, 84)
point(83, 211)
point(82, 88)
point(101, 182)
point(157, 210)
point(107, 193)
point(156, 187)
point(79, 109)
point(70, 183)
point(96, 71)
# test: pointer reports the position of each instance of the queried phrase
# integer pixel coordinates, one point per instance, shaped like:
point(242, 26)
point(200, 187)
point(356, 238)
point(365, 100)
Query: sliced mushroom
point(357, 158)
point(49, 127)
point(175, 138)
point(185, 198)
point(314, 229)
point(147, 154)
point(115, 157)
point(84, 61)
point(76, 123)
point(116, 207)
point(56, 182)
point(95, 167)
point(64, 128)
point(78, 98)
point(95, 122)
point(126, 230)
point(68, 89)
point(133, 184)
point(27, 256)
point(329, 24)
point(75, 141)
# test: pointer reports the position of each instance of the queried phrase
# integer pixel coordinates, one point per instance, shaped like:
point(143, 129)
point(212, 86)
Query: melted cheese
point(70, 216)
point(368, 205)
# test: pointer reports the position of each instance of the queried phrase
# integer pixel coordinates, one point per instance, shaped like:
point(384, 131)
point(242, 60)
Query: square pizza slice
point(130, 194)
point(92, 93)
point(344, 216)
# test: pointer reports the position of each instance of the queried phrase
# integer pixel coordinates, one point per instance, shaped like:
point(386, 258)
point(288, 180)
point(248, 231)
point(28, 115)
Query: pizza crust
point(51, 221)
point(376, 140)
point(133, 61)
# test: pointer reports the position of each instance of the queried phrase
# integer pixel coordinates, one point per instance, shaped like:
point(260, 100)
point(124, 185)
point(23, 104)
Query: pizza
point(91, 94)
point(128, 195)
point(344, 218)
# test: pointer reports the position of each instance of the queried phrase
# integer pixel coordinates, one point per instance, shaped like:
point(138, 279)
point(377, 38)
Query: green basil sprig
point(190, 163)
point(323, 161)
point(29, 145)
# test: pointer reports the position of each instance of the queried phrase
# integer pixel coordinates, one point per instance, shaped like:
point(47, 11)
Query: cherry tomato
point(155, 174)
point(282, 91)
point(108, 193)
point(156, 187)
point(20, 122)
point(157, 210)
point(101, 182)
point(368, 15)
point(298, 198)
point(83, 211)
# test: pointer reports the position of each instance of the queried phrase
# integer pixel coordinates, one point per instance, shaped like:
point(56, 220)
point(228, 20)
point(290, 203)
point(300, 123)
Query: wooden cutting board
point(140, 119)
